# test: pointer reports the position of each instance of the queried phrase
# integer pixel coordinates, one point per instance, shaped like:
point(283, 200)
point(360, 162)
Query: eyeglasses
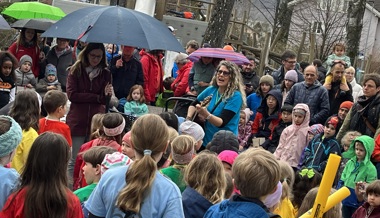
point(92, 56)
point(225, 73)
point(291, 62)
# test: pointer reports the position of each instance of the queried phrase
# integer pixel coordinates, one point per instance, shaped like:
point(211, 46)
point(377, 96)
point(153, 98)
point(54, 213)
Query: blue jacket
point(253, 103)
point(316, 96)
point(194, 204)
point(239, 207)
point(318, 151)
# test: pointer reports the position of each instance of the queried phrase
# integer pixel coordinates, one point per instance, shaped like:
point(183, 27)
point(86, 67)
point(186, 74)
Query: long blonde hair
point(140, 175)
point(205, 174)
point(235, 83)
point(287, 179)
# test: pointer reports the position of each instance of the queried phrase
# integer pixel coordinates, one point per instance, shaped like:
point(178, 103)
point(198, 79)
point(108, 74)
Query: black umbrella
point(117, 25)
point(38, 24)
point(4, 24)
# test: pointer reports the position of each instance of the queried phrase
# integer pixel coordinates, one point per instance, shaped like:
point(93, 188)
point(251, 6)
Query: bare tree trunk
point(355, 15)
point(217, 27)
point(282, 20)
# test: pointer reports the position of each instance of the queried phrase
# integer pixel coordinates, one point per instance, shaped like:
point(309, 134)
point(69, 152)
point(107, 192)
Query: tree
point(355, 15)
point(326, 19)
point(217, 27)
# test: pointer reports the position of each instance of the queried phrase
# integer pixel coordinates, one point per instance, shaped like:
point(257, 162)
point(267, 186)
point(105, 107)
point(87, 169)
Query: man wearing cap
point(312, 93)
point(289, 61)
point(61, 56)
point(250, 77)
point(126, 71)
point(181, 84)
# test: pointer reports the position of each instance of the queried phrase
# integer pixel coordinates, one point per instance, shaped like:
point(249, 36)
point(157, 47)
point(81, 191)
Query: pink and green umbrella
point(30, 10)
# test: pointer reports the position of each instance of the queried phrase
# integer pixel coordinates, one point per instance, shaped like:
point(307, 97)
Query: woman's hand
point(202, 110)
point(108, 90)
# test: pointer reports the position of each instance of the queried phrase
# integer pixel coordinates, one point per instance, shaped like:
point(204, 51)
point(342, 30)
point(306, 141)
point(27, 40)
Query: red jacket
point(264, 127)
point(181, 83)
point(55, 126)
point(79, 181)
point(34, 52)
point(87, 99)
point(14, 207)
point(376, 152)
point(153, 75)
point(362, 212)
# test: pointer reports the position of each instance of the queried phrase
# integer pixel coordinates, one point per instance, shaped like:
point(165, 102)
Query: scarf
point(59, 53)
point(54, 83)
point(93, 72)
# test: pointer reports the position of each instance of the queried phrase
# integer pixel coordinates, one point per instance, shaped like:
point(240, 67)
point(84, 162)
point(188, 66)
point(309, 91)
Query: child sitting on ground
point(358, 169)
point(271, 143)
point(24, 74)
point(254, 165)
point(49, 82)
point(10, 137)
point(182, 154)
point(192, 129)
point(126, 146)
point(55, 105)
point(305, 180)
point(206, 184)
point(285, 207)
point(163, 97)
point(91, 170)
point(371, 207)
point(245, 128)
point(308, 203)
point(337, 57)
point(318, 150)
point(294, 137)
point(135, 104)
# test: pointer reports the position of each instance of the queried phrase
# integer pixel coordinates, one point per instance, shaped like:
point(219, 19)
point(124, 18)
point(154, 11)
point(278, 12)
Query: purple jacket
point(87, 99)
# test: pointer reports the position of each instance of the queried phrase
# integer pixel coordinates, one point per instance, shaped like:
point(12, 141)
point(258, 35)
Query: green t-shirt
point(176, 176)
point(85, 192)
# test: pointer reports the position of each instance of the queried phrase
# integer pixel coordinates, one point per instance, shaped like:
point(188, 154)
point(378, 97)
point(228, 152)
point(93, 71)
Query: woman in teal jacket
point(357, 170)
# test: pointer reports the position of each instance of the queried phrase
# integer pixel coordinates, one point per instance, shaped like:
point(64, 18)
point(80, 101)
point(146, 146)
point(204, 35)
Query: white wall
point(370, 32)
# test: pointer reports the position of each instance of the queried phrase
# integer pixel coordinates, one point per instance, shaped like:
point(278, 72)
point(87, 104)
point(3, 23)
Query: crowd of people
point(248, 145)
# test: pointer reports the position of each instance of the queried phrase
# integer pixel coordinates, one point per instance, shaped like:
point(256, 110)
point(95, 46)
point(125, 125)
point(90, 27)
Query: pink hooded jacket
point(293, 139)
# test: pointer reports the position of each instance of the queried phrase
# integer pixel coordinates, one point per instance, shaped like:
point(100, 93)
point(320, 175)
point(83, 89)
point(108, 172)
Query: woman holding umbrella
point(227, 99)
point(27, 44)
point(88, 84)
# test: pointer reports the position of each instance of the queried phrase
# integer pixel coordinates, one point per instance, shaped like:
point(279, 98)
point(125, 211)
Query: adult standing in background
point(201, 74)
point(61, 56)
point(153, 74)
point(181, 83)
point(312, 93)
point(27, 44)
point(339, 92)
point(289, 61)
point(250, 77)
point(364, 114)
point(88, 84)
point(126, 71)
point(357, 89)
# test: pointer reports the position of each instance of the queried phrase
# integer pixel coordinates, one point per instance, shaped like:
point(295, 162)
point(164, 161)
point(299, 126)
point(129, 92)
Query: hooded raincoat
point(358, 171)
point(294, 139)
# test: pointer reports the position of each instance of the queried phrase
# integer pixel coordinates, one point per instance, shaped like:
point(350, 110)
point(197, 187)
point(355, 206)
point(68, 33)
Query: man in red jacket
point(181, 84)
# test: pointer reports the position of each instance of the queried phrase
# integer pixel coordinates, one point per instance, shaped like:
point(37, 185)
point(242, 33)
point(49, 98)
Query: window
point(334, 5)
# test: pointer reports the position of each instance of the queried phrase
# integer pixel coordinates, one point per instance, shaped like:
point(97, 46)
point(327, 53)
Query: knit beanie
point(228, 156)
point(316, 129)
point(25, 58)
point(11, 139)
point(114, 160)
point(346, 104)
point(333, 120)
point(292, 76)
point(223, 140)
point(192, 129)
point(287, 108)
point(267, 79)
point(50, 70)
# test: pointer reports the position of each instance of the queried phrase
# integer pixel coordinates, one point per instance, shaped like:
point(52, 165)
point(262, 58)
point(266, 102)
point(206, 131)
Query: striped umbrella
point(227, 55)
